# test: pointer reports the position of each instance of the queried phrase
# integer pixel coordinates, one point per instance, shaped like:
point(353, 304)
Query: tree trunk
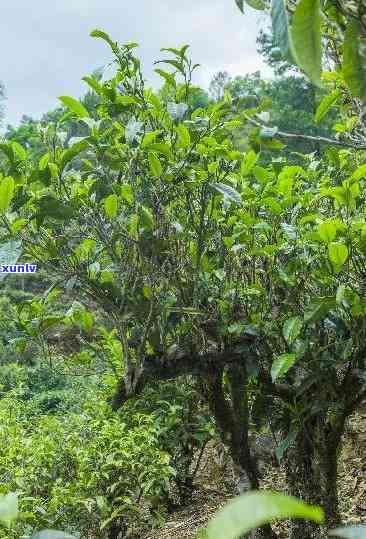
point(327, 446)
point(311, 473)
point(232, 420)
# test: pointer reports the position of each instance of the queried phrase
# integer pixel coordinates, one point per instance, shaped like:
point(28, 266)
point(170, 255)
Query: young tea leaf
point(326, 104)
point(75, 106)
point(146, 218)
point(127, 193)
point(327, 231)
point(184, 139)
point(6, 193)
point(103, 35)
point(248, 162)
point(155, 165)
point(111, 205)
point(338, 254)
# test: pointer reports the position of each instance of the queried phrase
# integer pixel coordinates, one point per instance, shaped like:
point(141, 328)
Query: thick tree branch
point(163, 368)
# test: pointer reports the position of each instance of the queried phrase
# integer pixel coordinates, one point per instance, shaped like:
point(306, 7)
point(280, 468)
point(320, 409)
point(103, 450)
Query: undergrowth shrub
point(95, 471)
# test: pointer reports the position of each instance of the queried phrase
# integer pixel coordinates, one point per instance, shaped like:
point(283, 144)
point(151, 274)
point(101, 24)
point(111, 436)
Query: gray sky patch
point(46, 47)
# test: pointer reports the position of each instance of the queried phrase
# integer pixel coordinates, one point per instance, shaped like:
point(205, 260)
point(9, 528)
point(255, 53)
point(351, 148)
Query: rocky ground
point(214, 488)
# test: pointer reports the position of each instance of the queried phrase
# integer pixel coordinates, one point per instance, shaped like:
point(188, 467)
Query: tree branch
point(309, 138)
point(163, 368)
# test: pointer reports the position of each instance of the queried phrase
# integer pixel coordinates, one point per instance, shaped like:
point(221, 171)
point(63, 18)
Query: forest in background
point(200, 293)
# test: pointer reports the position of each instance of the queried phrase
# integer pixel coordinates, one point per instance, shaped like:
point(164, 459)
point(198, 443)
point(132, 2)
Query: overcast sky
point(46, 48)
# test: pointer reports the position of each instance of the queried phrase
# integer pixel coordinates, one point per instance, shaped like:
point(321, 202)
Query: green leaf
point(111, 205)
point(127, 100)
point(155, 166)
point(49, 206)
point(285, 444)
point(146, 218)
point(326, 104)
point(72, 152)
point(126, 192)
point(254, 509)
point(178, 64)
point(8, 508)
point(43, 162)
point(292, 329)
point(327, 231)
point(281, 365)
point(184, 138)
point(94, 84)
point(306, 38)
point(229, 192)
point(318, 309)
point(160, 147)
point(248, 162)
point(359, 173)
point(19, 150)
point(281, 28)
point(75, 106)
point(338, 254)
point(8, 151)
point(85, 248)
point(168, 77)
point(54, 170)
point(177, 52)
point(260, 5)
point(103, 35)
point(351, 532)
point(149, 138)
point(354, 60)
point(51, 534)
point(7, 187)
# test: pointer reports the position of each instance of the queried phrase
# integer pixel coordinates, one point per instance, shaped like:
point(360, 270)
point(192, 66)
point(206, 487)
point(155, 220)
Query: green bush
point(82, 472)
point(94, 470)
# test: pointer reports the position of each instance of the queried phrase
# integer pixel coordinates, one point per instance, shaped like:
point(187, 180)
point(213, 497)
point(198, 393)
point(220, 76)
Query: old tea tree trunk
point(229, 406)
point(311, 462)
point(311, 475)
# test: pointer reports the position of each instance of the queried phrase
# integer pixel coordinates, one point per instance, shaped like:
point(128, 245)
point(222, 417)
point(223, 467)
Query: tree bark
point(232, 420)
point(311, 474)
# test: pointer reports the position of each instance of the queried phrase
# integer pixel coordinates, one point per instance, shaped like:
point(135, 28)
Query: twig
point(309, 138)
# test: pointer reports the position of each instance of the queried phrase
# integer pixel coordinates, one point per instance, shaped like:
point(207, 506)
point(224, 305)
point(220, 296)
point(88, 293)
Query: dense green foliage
point(207, 266)
point(80, 467)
